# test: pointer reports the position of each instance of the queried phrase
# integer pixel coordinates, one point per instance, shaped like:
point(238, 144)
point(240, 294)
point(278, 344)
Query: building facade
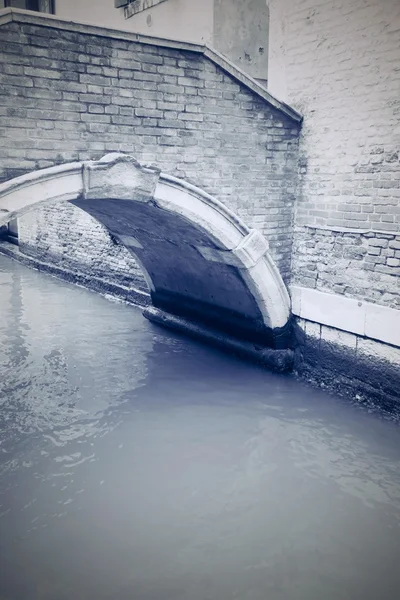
point(236, 28)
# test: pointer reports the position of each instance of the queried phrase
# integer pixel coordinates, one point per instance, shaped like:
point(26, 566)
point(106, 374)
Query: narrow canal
point(139, 465)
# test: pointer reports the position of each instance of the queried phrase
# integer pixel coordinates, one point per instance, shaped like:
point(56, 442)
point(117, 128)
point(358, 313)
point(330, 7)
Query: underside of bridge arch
point(201, 262)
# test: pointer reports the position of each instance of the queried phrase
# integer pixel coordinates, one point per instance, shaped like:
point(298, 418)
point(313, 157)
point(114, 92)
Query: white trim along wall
point(347, 314)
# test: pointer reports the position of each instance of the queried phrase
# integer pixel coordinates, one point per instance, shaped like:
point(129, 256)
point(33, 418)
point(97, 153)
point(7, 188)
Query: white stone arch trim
point(245, 248)
point(19, 195)
point(121, 176)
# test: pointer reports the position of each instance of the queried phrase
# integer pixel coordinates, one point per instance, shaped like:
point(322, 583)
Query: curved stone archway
point(200, 260)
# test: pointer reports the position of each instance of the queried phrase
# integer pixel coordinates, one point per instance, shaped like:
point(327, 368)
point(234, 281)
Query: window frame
point(8, 4)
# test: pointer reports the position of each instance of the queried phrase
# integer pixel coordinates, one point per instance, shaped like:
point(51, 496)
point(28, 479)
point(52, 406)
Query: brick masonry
point(340, 63)
point(70, 238)
point(362, 265)
point(337, 63)
point(70, 95)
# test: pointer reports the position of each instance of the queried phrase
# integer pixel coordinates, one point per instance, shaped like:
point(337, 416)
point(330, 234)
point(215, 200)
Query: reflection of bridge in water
point(201, 262)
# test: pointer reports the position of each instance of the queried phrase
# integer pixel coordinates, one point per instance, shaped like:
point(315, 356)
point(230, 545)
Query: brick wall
point(340, 63)
point(69, 95)
point(363, 265)
point(337, 63)
point(71, 239)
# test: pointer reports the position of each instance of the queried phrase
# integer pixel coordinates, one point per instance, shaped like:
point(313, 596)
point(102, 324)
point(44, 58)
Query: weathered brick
point(154, 59)
point(381, 243)
point(171, 89)
point(191, 117)
point(148, 113)
point(344, 271)
point(351, 114)
point(393, 262)
point(138, 99)
point(94, 118)
point(96, 108)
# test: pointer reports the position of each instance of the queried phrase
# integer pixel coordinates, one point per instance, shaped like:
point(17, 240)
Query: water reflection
point(137, 464)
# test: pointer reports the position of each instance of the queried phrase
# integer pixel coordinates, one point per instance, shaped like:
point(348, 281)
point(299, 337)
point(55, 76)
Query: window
point(46, 6)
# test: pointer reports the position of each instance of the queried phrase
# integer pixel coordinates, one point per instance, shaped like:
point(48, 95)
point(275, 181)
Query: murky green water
point(138, 465)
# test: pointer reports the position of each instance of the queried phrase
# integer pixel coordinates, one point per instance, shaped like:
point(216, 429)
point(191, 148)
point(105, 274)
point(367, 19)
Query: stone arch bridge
point(201, 262)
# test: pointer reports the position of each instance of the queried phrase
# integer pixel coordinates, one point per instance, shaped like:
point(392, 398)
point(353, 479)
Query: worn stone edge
point(297, 229)
point(8, 15)
point(372, 321)
point(210, 200)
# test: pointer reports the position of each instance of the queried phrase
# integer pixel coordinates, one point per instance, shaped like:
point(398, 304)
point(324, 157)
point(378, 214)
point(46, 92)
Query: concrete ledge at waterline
point(276, 360)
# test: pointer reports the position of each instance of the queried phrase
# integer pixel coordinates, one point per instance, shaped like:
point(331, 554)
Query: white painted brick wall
point(338, 64)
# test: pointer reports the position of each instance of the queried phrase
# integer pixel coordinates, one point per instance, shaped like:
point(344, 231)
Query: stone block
point(379, 351)
point(119, 175)
point(338, 337)
point(313, 330)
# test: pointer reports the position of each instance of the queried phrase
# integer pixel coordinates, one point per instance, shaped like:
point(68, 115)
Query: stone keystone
point(121, 177)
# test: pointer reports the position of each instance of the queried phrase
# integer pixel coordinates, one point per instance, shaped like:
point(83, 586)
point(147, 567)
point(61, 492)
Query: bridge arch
point(200, 260)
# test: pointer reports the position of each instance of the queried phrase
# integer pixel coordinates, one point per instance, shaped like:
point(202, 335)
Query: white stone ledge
point(354, 316)
point(8, 15)
point(347, 229)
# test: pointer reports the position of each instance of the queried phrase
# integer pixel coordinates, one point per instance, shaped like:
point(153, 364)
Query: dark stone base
point(96, 284)
point(366, 380)
point(276, 360)
point(231, 323)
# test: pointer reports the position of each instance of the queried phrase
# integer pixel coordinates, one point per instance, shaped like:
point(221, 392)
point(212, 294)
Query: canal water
point(140, 465)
